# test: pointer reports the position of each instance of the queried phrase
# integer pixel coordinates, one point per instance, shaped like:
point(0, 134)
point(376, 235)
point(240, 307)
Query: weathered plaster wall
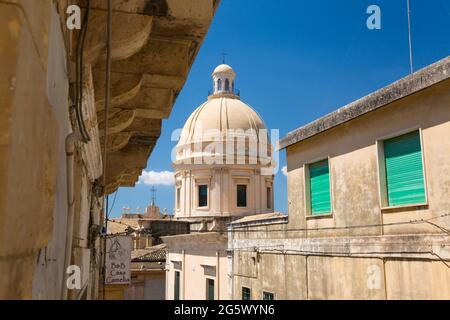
point(413, 279)
point(35, 124)
point(389, 262)
point(196, 257)
point(282, 275)
point(154, 52)
point(352, 153)
point(50, 259)
point(29, 134)
point(343, 278)
point(147, 285)
point(328, 269)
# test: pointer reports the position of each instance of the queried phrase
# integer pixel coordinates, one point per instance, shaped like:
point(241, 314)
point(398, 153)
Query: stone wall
point(197, 257)
point(361, 250)
point(151, 56)
point(32, 128)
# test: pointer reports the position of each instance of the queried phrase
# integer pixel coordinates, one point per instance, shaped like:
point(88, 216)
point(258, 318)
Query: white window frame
point(307, 191)
point(200, 181)
point(381, 169)
point(241, 180)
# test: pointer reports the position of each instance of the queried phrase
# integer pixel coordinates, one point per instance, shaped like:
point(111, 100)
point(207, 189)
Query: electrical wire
point(80, 75)
point(445, 230)
point(414, 221)
point(112, 205)
point(408, 5)
point(105, 139)
point(440, 258)
point(337, 253)
point(328, 253)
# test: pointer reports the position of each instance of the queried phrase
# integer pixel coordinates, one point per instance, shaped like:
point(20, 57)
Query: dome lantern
point(223, 80)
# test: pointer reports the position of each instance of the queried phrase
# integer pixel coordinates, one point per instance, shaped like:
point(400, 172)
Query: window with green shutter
point(319, 184)
point(246, 293)
point(268, 295)
point(404, 170)
point(177, 286)
point(209, 289)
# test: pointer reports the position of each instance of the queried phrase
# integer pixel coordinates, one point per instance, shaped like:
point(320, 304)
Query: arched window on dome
point(232, 86)
point(227, 85)
point(219, 85)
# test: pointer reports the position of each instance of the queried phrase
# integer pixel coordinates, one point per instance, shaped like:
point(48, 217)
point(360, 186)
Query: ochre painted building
point(368, 200)
point(51, 148)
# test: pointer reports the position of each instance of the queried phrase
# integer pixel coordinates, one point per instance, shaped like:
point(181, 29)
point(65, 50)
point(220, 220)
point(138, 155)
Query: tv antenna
point(408, 4)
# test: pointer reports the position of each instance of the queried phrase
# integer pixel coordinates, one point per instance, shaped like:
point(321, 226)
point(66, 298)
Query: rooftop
point(421, 79)
point(258, 217)
point(152, 254)
point(121, 225)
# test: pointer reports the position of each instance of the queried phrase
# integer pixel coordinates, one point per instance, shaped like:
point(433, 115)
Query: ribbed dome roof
point(225, 119)
point(223, 68)
point(220, 113)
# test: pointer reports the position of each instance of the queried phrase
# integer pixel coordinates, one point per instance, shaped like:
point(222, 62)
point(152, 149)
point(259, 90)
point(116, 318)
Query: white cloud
point(163, 178)
point(284, 170)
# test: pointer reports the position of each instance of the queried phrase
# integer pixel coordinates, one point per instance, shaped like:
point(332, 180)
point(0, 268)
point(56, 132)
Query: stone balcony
point(154, 46)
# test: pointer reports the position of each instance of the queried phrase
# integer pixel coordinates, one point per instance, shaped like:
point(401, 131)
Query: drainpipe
point(71, 139)
point(230, 256)
point(218, 274)
point(184, 274)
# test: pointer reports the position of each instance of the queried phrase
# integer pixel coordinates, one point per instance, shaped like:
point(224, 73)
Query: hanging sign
point(118, 260)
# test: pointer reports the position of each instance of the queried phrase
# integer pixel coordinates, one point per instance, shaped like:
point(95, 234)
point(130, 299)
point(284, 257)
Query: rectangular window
point(268, 296)
point(319, 183)
point(177, 286)
point(404, 170)
point(203, 195)
point(246, 293)
point(178, 197)
point(209, 289)
point(269, 197)
point(241, 195)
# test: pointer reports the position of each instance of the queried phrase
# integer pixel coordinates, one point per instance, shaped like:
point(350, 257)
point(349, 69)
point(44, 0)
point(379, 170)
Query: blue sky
point(296, 61)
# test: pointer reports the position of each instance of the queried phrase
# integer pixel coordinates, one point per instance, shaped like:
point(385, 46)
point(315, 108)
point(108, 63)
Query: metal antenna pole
point(409, 37)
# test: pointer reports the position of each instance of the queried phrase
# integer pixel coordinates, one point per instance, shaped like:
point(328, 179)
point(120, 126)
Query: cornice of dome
point(224, 95)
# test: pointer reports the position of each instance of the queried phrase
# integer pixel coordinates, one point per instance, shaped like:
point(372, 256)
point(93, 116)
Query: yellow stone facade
point(361, 250)
point(50, 182)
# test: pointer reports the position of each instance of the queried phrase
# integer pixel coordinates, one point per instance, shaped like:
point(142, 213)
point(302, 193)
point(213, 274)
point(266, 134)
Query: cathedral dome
point(223, 160)
point(222, 117)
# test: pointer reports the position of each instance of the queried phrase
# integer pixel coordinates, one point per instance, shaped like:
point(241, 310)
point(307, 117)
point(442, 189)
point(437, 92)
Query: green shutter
point(404, 170)
point(177, 286)
point(246, 293)
point(319, 174)
point(268, 296)
point(210, 289)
